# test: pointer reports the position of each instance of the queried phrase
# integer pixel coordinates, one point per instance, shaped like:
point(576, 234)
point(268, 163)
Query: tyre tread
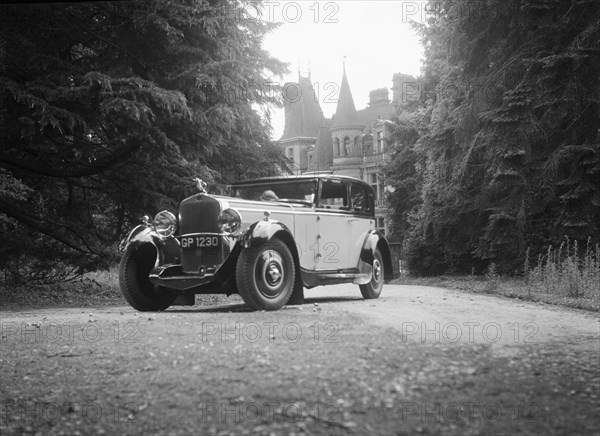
point(132, 289)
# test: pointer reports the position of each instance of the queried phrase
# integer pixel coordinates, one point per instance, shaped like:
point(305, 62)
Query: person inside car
point(269, 195)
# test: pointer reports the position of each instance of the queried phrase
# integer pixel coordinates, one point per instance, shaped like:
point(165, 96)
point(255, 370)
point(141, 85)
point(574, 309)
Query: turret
point(346, 133)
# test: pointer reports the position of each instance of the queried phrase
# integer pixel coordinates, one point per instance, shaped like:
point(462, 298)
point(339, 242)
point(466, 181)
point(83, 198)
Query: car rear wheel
point(140, 293)
point(265, 275)
point(373, 289)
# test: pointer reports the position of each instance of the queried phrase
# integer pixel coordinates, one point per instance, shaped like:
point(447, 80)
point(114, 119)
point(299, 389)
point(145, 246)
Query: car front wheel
point(373, 289)
point(135, 285)
point(265, 275)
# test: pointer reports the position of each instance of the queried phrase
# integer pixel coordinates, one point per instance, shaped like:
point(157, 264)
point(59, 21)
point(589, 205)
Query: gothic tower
point(303, 119)
point(346, 134)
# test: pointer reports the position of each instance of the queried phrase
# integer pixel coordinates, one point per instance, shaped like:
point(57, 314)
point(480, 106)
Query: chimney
point(379, 96)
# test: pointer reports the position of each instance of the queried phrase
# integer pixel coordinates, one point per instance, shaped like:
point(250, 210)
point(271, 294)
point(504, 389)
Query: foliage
point(510, 153)
point(404, 172)
point(567, 271)
point(109, 109)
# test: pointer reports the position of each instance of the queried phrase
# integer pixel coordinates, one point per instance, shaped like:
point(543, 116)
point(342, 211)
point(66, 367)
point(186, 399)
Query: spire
point(345, 114)
point(303, 114)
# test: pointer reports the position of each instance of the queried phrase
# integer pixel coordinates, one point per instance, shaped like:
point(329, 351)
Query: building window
point(290, 153)
point(367, 144)
point(376, 182)
point(373, 183)
point(347, 147)
point(336, 147)
point(379, 144)
point(380, 224)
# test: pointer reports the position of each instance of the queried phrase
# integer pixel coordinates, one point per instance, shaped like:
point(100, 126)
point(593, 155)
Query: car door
point(332, 246)
point(363, 209)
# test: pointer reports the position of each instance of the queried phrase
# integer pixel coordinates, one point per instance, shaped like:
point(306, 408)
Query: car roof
point(295, 178)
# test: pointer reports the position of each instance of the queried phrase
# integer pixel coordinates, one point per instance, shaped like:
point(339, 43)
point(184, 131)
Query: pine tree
point(512, 146)
point(109, 109)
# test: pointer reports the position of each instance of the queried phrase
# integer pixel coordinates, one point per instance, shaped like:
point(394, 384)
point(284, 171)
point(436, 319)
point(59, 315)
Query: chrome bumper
point(172, 277)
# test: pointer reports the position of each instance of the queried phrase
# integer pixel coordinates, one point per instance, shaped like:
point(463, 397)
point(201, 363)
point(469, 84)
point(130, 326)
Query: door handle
point(350, 220)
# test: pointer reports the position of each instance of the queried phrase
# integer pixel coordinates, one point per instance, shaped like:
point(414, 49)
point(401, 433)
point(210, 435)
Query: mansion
point(352, 143)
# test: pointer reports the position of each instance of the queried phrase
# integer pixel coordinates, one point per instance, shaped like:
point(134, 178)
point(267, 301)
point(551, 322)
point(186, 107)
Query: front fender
point(374, 240)
point(261, 232)
point(167, 249)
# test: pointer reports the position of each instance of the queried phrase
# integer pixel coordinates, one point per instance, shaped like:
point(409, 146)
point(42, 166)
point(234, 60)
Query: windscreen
point(300, 192)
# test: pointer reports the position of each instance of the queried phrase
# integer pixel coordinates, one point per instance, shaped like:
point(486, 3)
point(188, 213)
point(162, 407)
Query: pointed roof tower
point(303, 114)
point(345, 114)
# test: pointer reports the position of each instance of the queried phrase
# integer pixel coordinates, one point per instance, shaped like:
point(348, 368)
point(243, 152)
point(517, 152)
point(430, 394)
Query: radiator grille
point(199, 214)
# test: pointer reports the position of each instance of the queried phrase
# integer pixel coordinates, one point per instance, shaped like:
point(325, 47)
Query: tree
point(109, 109)
point(512, 145)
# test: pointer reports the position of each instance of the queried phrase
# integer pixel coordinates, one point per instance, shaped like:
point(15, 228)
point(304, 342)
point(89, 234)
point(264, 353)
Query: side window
point(362, 200)
point(334, 195)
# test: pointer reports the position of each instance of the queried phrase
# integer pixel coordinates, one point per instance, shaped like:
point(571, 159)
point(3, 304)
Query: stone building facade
point(353, 142)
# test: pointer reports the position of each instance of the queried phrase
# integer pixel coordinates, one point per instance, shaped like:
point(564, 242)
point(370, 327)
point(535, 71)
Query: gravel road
point(419, 360)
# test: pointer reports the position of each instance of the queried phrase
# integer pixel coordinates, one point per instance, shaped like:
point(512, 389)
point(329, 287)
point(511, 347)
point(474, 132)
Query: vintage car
point(267, 241)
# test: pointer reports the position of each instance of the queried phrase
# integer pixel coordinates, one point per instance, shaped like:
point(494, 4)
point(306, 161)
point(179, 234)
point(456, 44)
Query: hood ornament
point(200, 184)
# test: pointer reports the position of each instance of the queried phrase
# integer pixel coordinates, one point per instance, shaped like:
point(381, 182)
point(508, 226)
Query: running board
point(314, 278)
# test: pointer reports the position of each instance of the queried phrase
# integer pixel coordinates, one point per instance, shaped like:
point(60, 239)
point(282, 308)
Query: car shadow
point(235, 307)
point(330, 299)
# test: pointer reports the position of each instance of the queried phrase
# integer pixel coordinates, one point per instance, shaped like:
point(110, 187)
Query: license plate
point(200, 241)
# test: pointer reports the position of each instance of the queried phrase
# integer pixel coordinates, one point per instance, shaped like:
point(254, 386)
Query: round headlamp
point(165, 223)
point(230, 221)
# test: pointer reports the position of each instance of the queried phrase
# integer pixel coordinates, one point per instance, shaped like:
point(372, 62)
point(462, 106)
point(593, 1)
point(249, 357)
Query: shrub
point(566, 271)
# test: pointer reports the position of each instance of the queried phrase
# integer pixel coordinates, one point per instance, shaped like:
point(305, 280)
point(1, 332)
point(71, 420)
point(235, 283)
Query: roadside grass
point(510, 287)
point(563, 277)
point(94, 289)
point(99, 288)
point(565, 271)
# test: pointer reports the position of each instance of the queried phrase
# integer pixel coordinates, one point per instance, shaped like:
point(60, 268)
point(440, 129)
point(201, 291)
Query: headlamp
point(230, 221)
point(165, 223)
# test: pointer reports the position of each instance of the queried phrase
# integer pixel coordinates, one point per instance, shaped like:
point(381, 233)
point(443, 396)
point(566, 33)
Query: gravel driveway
point(418, 360)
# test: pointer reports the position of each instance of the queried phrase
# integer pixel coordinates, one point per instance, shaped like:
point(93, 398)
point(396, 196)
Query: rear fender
point(374, 240)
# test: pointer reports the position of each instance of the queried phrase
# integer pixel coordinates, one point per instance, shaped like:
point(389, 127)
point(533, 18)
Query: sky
point(374, 38)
